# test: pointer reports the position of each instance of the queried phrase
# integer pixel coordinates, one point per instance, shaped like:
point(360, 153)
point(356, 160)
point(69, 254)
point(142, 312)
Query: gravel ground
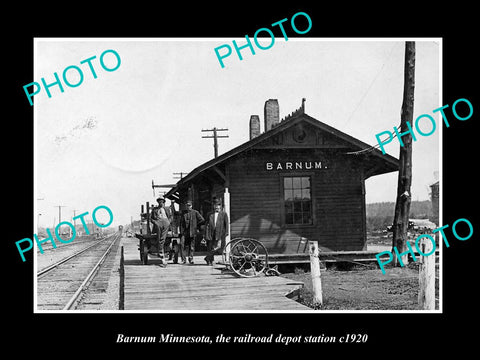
point(365, 287)
point(362, 289)
point(111, 301)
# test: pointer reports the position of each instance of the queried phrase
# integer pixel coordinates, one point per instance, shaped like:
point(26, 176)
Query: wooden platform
point(200, 287)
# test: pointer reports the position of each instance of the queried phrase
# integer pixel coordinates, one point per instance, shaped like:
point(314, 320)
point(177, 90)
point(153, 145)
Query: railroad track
point(47, 247)
point(65, 284)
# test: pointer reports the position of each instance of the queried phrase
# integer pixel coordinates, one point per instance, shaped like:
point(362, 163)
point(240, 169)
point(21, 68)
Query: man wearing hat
point(174, 246)
point(216, 231)
point(161, 224)
point(189, 224)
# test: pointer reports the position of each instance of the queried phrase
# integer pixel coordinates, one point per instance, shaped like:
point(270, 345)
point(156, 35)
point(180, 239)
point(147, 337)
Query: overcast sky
point(103, 142)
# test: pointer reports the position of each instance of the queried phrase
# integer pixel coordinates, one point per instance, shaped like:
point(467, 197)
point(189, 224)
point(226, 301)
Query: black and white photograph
point(281, 178)
point(196, 187)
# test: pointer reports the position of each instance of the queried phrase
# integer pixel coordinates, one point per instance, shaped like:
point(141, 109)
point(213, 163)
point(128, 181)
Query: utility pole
point(402, 206)
point(59, 215)
point(181, 174)
point(74, 220)
point(38, 216)
point(60, 212)
point(215, 137)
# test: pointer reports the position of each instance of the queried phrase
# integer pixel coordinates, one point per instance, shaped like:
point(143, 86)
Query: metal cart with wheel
point(149, 244)
point(247, 257)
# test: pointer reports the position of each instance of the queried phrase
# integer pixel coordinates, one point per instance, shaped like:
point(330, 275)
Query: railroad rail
point(47, 247)
point(60, 285)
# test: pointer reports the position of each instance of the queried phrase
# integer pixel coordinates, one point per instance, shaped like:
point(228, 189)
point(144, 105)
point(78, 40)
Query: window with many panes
point(297, 200)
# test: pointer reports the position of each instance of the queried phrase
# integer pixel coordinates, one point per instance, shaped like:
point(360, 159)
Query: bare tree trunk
point(402, 206)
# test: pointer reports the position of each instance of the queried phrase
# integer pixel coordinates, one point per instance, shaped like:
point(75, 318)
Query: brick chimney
point(271, 113)
point(254, 126)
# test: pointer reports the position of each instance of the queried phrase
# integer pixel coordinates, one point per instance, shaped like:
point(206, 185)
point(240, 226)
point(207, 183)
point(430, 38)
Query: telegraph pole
point(215, 136)
point(181, 174)
point(74, 220)
point(60, 212)
point(38, 216)
point(404, 196)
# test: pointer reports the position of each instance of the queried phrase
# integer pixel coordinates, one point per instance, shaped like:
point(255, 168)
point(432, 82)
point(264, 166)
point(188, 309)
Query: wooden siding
point(337, 200)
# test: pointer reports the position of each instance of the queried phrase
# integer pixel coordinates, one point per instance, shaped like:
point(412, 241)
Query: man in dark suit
point(173, 246)
point(190, 221)
point(215, 232)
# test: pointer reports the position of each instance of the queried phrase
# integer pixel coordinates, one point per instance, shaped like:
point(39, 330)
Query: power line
point(371, 148)
point(371, 85)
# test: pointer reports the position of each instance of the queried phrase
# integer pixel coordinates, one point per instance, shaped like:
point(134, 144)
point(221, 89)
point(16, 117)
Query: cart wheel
point(145, 254)
point(248, 257)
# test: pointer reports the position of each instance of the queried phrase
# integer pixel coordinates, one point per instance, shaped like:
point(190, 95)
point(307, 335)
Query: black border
point(387, 332)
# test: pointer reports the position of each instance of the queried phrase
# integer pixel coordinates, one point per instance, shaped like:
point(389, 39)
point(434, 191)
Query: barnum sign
point(290, 165)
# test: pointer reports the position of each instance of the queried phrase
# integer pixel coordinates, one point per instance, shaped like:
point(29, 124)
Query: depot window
point(297, 200)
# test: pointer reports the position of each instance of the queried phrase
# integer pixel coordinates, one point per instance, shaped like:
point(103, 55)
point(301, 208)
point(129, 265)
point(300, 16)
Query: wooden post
point(226, 199)
point(148, 218)
point(121, 288)
point(402, 206)
point(426, 277)
point(315, 271)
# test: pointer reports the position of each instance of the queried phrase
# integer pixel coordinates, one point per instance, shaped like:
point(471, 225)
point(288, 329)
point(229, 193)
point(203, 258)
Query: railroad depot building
point(299, 180)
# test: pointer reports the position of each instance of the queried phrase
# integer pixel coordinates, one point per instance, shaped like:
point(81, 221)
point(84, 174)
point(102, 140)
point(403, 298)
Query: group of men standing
point(185, 225)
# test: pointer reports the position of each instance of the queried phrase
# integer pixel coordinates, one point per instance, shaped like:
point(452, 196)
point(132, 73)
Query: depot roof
point(380, 163)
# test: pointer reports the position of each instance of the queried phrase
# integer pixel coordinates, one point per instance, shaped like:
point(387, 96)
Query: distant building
point(434, 196)
point(80, 229)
